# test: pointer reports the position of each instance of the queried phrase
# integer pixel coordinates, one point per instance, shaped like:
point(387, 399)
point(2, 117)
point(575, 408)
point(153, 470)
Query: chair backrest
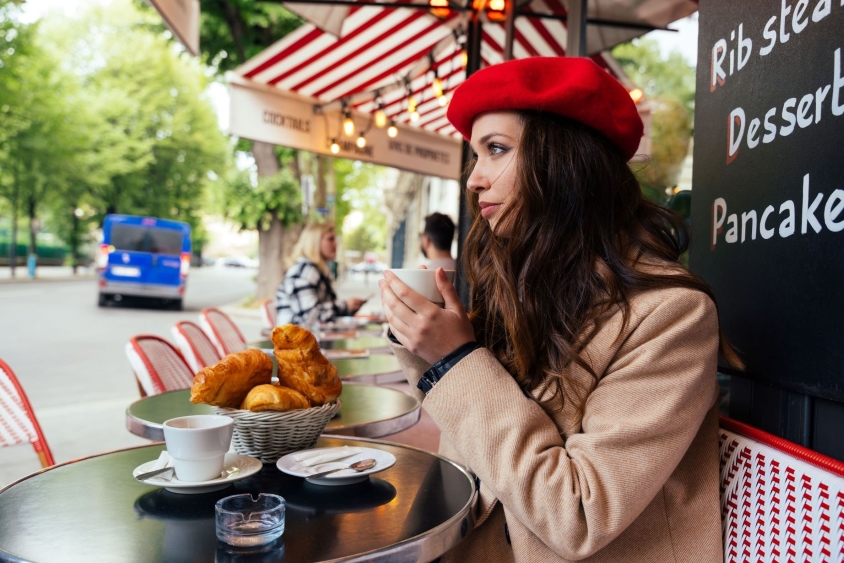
point(18, 424)
point(196, 347)
point(158, 366)
point(222, 331)
point(268, 308)
point(779, 501)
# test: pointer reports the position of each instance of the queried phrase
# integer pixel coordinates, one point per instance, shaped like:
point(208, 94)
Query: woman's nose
point(477, 181)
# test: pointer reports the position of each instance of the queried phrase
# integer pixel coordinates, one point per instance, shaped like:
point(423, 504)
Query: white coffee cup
point(198, 445)
point(423, 282)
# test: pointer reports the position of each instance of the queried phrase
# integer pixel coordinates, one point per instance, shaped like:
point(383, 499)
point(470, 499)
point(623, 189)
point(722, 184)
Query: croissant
point(301, 365)
point(274, 398)
point(226, 383)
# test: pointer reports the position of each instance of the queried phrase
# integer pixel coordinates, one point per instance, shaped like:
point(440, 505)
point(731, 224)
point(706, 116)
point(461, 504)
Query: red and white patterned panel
point(222, 331)
point(777, 508)
point(158, 365)
point(195, 345)
point(269, 313)
point(15, 425)
point(18, 424)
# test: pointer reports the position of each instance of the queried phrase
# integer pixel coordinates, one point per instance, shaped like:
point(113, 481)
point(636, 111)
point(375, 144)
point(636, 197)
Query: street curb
point(27, 280)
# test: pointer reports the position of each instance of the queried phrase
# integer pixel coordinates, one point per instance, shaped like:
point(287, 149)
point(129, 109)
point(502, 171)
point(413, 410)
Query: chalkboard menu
point(768, 185)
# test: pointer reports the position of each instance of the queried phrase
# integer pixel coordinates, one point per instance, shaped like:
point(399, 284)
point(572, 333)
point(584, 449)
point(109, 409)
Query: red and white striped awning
point(381, 53)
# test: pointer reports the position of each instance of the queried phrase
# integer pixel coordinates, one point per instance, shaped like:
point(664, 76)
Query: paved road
point(68, 355)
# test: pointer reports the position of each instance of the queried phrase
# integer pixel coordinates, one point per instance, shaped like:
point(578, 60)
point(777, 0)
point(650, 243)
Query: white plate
point(383, 460)
point(243, 464)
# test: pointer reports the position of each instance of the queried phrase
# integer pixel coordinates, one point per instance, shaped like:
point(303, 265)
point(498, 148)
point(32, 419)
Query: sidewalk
point(46, 273)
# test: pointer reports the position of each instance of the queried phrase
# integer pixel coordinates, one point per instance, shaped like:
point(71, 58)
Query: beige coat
point(635, 480)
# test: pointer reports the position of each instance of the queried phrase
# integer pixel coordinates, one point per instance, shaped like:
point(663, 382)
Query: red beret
point(575, 88)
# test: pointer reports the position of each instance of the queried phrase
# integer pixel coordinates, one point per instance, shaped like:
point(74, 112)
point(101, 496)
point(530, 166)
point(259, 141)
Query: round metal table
point(372, 343)
point(367, 411)
point(93, 510)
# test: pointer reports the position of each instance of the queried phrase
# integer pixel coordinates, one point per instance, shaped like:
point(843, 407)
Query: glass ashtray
point(244, 521)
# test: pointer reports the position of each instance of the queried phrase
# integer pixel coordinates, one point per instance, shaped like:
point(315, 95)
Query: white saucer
point(243, 464)
point(383, 460)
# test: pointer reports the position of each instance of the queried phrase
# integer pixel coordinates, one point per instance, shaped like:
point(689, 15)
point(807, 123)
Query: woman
point(580, 388)
point(307, 284)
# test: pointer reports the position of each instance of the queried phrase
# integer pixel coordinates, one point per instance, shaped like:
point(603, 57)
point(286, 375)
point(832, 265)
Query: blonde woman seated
point(307, 282)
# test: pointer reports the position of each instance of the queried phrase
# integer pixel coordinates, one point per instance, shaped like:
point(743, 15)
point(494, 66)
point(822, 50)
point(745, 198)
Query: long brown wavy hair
point(578, 224)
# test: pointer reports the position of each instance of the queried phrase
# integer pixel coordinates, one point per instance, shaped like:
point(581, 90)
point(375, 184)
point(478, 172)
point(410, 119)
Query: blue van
point(144, 257)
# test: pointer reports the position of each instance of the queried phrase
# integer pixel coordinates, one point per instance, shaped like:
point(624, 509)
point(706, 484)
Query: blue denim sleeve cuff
point(439, 369)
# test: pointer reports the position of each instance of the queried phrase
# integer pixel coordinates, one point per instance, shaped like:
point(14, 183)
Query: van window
point(144, 239)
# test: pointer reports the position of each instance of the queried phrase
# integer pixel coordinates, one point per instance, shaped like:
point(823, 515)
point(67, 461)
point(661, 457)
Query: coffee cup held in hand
point(423, 282)
point(198, 445)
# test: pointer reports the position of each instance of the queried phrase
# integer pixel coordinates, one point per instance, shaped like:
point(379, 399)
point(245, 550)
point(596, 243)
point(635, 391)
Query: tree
point(669, 84)
point(155, 133)
point(359, 188)
point(232, 32)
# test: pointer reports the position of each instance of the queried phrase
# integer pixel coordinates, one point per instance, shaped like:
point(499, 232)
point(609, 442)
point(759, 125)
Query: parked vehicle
point(144, 257)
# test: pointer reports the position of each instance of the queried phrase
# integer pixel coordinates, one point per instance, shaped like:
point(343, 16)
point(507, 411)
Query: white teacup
point(198, 445)
point(423, 282)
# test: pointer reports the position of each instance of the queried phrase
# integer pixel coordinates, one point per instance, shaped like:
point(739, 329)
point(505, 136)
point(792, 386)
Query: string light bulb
point(464, 58)
point(335, 148)
point(380, 118)
point(414, 117)
point(392, 130)
point(496, 10)
point(411, 105)
point(439, 8)
point(443, 100)
point(636, 95)
point(361, 142)
point(437, 86)
point(348, 125)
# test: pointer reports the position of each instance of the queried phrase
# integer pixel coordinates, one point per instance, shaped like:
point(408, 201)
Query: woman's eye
point(495, 148)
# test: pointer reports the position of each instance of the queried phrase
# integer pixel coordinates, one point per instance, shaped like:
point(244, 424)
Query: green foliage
point(644, 63)
point(113, 119)
point(250, 201)
point(669, 86)
point(358, 189)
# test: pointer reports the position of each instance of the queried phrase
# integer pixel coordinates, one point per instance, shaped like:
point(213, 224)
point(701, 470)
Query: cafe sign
point(182, 17)
point(262, 113)
point(768, 211)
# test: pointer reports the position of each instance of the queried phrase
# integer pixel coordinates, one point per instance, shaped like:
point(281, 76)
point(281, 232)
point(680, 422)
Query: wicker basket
point(269, 435)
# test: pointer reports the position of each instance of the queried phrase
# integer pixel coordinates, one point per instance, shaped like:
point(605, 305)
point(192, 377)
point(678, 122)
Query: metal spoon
point(151, 474)
point(361, 465)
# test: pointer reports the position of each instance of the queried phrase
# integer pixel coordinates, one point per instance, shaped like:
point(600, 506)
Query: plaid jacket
point(304, 288)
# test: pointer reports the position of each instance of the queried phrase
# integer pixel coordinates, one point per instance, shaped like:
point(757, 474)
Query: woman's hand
point(422, 327)
point(353, 304)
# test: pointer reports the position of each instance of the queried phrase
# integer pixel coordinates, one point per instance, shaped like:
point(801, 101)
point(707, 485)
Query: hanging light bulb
point(414, 116)
point(443, 100)
point(439, 8)
point(411, 105)
point(348, 125)
point(636, 95)
point(335, 148)
point(392, 130)
point(464, 58)
point(361, 142)
point(380, 118)
point(437, 86)
point(496, 10)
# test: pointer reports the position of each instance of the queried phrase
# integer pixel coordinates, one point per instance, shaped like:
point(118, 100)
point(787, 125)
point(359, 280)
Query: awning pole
point(576, 28)
point(473, 52)
point(509, 26)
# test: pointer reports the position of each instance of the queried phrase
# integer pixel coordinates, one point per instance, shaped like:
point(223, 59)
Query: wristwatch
point(439, 369)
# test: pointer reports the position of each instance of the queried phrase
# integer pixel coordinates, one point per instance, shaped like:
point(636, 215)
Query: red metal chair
point(196, 347)
point(779, 501)
point(18, 424)
point(268, 309)
point(222, 331)
point(158, 366)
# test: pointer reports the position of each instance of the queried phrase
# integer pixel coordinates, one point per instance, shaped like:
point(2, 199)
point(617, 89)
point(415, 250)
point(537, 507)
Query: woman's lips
point(488, 209)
